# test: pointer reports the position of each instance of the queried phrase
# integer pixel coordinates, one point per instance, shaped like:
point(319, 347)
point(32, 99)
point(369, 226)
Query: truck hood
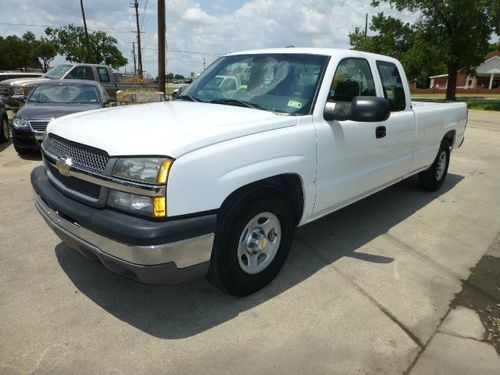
point(21, 82)
point(166, 128)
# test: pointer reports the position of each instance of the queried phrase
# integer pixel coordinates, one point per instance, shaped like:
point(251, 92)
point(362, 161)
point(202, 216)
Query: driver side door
point(352, 156)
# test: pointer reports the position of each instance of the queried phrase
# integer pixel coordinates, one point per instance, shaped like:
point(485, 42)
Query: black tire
point(432, 178)
point(226, 271)
point(4, 130)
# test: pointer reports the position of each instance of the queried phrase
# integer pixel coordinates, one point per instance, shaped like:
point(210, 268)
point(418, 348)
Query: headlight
point(152, 171)
point(20, 123)
point(145, 170)
point(22, 91)
point(149, 206)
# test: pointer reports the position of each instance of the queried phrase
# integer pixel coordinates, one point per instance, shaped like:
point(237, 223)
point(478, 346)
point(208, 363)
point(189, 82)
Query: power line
point(144, 13)
point(185, 51)
point(42, 25)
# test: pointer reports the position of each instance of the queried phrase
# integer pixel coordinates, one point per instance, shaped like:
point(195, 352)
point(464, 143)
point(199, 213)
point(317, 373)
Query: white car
point(216, 182)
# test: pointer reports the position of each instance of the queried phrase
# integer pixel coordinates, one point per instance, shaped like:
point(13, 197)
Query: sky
point(201, 30)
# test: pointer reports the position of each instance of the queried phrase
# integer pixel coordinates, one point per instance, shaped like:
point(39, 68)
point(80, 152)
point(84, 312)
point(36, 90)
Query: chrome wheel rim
point(441, 166)
point(259, 243)
point(5, 129)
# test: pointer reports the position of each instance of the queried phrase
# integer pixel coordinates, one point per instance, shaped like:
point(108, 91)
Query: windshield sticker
point(295, 104)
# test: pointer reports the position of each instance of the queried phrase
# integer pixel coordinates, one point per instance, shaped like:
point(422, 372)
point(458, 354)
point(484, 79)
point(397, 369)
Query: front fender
point(203, 179)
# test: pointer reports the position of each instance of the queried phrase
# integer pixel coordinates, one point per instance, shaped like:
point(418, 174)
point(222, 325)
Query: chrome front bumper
point(191, 254)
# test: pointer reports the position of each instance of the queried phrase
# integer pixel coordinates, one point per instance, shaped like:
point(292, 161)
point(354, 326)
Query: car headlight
point(152, 171)
point(148, 206)
point(20, 123)
point(144, 170)
point(21, 91)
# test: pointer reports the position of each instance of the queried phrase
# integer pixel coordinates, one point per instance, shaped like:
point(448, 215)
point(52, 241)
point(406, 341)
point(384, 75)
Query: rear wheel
point(432, 178)
point(4, 130)
point(252, 244)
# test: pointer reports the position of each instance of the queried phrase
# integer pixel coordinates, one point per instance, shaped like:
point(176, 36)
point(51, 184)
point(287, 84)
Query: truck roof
point(87, 64)
point(334, 52)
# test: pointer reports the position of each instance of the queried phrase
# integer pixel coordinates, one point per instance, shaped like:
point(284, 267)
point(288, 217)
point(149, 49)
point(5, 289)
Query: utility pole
point(139, 53)
point(161, 46)
point(87, 43)
point(204, 64)
point(133, 55)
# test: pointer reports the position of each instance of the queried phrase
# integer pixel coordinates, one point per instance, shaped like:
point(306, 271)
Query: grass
point(485, 105)
point(476, 102)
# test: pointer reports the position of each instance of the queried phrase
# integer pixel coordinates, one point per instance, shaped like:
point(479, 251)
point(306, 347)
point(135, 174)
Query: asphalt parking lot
point(366, 290)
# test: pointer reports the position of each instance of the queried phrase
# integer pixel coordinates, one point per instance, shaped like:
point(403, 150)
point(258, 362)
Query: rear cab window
point(103, 74)
point(353, 77)
point(392, 84)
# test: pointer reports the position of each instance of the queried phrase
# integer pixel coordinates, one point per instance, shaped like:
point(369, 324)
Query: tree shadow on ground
point(184, 310)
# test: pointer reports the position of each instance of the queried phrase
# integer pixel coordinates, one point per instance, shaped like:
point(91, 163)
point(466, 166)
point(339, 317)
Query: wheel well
point(289, 185)
point(450, 138)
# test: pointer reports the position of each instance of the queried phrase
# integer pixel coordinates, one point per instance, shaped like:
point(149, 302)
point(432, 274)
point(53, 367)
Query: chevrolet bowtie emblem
point(64, 165)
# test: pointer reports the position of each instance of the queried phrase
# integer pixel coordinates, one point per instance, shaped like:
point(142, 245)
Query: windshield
point(64, 93)
point(57, 72)
point(284, 83)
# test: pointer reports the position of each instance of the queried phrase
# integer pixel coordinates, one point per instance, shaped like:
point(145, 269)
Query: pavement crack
point(367, 295)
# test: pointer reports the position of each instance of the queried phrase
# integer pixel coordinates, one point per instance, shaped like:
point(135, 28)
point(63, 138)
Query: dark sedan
point(49, 101)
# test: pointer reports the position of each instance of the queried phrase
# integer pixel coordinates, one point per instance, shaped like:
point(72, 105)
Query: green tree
point(17, 53)
point(45, 51)
point(460, 30)
point(70, 41)
point(404, 42)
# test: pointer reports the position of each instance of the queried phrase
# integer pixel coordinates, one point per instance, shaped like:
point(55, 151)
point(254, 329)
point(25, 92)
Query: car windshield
point(284, 83)
point(57, 72)
point(64, 93)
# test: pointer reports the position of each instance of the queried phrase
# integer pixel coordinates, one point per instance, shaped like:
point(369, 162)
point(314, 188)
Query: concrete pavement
point(364, 291)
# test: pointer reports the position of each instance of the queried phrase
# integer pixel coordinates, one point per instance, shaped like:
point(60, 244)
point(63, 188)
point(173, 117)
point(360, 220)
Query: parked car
point(4, 123)
point(15, 75)
point(48, 101)
point(17, 90)
point(4, 76)
point(215, 183)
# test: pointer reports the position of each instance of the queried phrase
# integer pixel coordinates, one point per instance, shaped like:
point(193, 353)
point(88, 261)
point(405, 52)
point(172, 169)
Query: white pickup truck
point(215, 182)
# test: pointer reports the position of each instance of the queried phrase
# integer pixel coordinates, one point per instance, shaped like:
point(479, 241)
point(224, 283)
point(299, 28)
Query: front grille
point(39, 125)
point(84, 157)
point(75, 184)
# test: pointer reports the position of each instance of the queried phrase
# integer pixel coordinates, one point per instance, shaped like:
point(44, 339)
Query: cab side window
point(103, 74)
point(81, 72)
point(393, 86)
point(352, 78)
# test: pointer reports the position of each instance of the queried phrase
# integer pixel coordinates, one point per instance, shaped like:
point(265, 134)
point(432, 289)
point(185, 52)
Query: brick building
point(487, 76)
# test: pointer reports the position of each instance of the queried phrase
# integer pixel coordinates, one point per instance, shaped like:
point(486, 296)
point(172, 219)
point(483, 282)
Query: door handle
point(380, 132)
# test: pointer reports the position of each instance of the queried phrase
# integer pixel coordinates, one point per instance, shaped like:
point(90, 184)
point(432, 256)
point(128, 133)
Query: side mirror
point(176, 93)
point(362, 109)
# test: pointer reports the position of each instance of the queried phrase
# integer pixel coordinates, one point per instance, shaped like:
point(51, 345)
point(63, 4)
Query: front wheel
point(253, 242)
point(4, 130)
point(432, 178)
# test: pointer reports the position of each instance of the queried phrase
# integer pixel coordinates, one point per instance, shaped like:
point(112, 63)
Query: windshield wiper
point(240, 103)
point(187, 97)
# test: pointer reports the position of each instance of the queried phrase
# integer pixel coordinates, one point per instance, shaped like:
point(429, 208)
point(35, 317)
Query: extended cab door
point(352, 156)
point(401, 126)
